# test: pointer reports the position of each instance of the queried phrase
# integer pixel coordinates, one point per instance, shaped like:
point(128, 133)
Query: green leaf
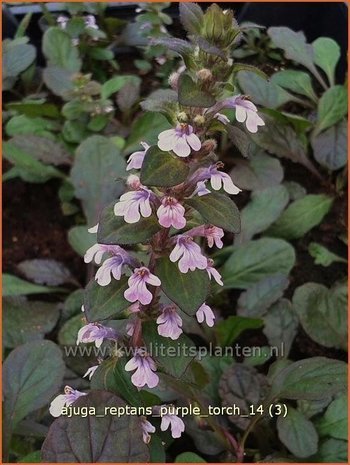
point(114, 230)
point(332, 451)
point(272, 201)
point(260, 172)
point(296, 191)
point(16, 57)
point(323, 313)
point(59, 51)
point(189, 457)
point(94, 435)
point(330, 147)
point(24, 125)
point(191, 17)
point(190, 95)
point(35, 108)
point(227, 331)
point(243, 386)
point(97, 166)
point(256, 260)
point(183, 348)
point(217, 209)
point(41, 148)
point(311, 379)
point(323, 256)
point(28, 168)
point(295, 81)
point(102, 302)
point(80, 239)
point(260, 296)
point(45, 271)
point(301, 216)
point(67, 335)
point(26, 321)
point(27, 386)
point(59, 81)
point(297, 433)
point(115, 84)
point(281, 325)
point(72, 304)
point(295, 47)
point(240, 139)
point(187, 290)
point(262, 92)
point(162, 169)
point(326, 56)
point(334, 422)
point(283, 141)
point(250, 68)
point(332, 107)
point(147, 127)
point(32, 457)
point(12, 286)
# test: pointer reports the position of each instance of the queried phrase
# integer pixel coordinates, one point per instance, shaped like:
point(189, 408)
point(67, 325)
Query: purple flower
point(90, 21)
point(246, 111)
point(136, 159)
point(145, 368)
point(213, 234)
point(189, 254)
point(213, 272)
point(177, 426)
point(171, 213)
point(95, 332)
point(180, 140)
point(64, 400)
point(113, 267)
point(137, 286)
point(169, 323)
point(134, 203)
point(222, 118)
point(90, 372)
point(205, 313)
point(201, 189)
point(220, 179)
point(147, 428)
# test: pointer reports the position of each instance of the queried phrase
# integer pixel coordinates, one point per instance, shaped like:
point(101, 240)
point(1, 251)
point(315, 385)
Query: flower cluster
point(184, 216)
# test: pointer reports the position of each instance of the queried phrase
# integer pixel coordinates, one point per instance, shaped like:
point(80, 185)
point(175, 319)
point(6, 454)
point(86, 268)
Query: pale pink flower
point(95, 332)
point(136, 159)
point(134, 204)
point(90, 372)
point(177, 426)
point(147, 429)
point(62, 21)
point(222, 118)
point(213, 272)
point(213, 234)
point(220, 179)
point(134, 182)
point(64, 400)
point(171, 213)
point(189, 254)
point(201, 189)
point(145, 368)
point(205, 313)
point(95, 253)
point(180, 140)
point(113, 267)
point(137, 286)
point(90, 21)
point(169, 323)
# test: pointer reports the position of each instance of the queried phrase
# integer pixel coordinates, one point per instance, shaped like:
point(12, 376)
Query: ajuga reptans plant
point(152, 241)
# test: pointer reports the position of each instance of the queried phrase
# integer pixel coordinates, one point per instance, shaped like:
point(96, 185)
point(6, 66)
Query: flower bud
point(204, 74)
point(182, 117)
point(220, 27)
point(133, 182)
point(209, 145)
point(199, 120)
